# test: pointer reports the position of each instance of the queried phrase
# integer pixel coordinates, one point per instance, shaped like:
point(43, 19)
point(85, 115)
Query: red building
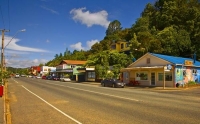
point(35, 70)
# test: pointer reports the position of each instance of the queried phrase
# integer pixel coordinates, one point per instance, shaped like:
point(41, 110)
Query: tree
point(97, 47)
point(113, 27)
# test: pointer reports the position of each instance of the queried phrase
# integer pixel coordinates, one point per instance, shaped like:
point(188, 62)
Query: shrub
point(191, 83)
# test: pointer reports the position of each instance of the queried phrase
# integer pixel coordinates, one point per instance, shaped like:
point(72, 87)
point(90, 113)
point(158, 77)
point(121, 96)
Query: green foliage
point(106, 59)
point(66, 75)
point(192, 83)
point(113, 27)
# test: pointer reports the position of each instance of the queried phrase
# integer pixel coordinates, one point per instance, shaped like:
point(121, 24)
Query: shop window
point(168, 76)
point(73, 66)
point(142, 76)
point(91, 75)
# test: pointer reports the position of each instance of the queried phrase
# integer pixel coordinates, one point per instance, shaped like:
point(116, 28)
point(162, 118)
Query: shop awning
point(136, 68)
point(66, 70)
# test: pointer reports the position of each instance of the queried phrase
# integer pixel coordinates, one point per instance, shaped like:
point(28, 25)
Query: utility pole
point(2, 54)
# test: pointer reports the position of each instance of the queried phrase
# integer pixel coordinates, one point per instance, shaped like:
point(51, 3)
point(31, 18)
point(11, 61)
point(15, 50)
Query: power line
point(9, 14)
point(2, 17)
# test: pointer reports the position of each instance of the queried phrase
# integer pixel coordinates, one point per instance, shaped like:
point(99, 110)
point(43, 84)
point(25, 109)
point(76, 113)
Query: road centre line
point(15, 81)
point(52, 106)
point(96, 92)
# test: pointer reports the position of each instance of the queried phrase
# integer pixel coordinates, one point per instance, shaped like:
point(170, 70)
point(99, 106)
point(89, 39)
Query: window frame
point(91, 75)
point(139, 74)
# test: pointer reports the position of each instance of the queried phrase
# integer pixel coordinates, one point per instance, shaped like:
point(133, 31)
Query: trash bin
point(1, 90)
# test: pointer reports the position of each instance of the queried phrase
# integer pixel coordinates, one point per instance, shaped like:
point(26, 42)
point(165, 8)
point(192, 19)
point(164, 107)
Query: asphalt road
point(38, 101)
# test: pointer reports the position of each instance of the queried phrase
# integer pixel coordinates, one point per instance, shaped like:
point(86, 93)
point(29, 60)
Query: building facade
point(162, 70)
point(69, 67)
point(45, 70)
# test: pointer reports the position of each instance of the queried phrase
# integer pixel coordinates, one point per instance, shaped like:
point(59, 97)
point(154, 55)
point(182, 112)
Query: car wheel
point(104, 84)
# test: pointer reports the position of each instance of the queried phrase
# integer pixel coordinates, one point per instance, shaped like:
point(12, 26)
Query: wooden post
point(164, 77)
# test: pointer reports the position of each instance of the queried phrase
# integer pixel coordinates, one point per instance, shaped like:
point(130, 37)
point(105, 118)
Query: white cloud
point(17, 56)
point(78, 46)
point(51, 10)
point(90, 43)
point(90, 19)
point(24, 63)
point(13, 46)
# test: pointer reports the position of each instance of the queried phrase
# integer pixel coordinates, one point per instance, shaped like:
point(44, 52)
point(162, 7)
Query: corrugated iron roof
point(75, 62)
point(175, 60)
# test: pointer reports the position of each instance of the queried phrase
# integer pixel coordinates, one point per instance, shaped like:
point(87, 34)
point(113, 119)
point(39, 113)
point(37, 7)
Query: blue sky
point(52, 26)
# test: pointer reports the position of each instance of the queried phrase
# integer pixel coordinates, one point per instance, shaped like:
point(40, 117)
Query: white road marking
point(96, 92)
point(15, 81)
point(53, 106)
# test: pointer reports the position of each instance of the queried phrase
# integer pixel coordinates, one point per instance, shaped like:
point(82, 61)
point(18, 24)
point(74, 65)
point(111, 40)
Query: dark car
point(49, 77)
point(56, 78)
point(112, 83)
point(44, 77)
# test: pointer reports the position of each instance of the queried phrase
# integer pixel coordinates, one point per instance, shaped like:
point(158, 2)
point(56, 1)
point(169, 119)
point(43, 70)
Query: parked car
point(30, 76)
point(65, 79)
point(23, 75)
point(49, 77)
point(44, 77)
point(112, 83)
point(56, 78)
point(38, 77)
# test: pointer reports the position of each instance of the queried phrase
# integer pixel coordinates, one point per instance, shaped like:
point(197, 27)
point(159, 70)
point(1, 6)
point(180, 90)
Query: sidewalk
point(153, 88)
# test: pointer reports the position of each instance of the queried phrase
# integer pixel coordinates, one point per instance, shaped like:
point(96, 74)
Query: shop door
point(153, 79)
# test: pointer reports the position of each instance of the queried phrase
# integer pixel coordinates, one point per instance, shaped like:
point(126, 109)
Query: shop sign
point(188, 62)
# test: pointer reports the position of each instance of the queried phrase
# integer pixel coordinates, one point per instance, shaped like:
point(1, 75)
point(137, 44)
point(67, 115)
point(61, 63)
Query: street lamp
point(23, 30)
point(2, 49)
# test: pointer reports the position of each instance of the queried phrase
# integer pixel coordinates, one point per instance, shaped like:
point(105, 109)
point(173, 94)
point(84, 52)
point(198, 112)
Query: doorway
point(153, 78)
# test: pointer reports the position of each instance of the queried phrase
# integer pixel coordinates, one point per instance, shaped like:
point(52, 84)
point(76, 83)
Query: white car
point(16, 75)
point(38, 77)
point(65, 79)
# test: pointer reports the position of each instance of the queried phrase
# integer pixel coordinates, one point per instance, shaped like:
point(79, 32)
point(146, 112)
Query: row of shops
point(149, 70)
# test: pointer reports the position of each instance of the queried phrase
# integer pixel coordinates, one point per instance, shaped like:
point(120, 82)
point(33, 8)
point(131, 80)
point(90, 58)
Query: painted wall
point(186, 74)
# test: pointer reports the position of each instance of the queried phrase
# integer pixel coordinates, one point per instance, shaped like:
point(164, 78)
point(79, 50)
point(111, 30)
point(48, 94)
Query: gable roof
point(74, 62)
point(175, 60)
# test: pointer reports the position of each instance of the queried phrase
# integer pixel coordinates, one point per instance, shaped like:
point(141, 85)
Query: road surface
point(39, 101)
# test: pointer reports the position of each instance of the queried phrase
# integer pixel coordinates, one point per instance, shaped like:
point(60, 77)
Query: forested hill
point(170, 27)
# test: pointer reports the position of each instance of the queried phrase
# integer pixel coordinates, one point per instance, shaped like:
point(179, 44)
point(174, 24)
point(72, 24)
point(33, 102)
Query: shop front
point(162, 71)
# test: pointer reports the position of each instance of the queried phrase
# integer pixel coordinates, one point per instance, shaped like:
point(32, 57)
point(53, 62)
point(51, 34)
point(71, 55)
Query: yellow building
point(120, 46)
